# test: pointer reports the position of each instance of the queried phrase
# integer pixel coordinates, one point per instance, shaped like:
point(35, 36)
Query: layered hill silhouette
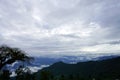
point(108, 68)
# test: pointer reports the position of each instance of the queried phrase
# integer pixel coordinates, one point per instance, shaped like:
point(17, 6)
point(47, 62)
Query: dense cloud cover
point(61, 27)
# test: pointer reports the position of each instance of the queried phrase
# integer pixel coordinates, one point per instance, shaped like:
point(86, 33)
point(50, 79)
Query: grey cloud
point(113, 42)
point(71, 36)
point(21, 18)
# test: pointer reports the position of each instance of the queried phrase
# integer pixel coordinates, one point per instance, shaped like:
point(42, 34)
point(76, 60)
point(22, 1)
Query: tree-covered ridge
point(100, 70)
point(108, 69)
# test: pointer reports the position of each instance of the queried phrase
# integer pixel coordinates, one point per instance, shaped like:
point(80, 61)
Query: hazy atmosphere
point(61, 27)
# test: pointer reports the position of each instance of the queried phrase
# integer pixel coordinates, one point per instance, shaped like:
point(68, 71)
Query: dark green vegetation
point(9, 55)
point(99, 70)
point(92, 70)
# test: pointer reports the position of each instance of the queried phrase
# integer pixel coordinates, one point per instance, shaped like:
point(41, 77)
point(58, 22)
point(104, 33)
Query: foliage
point(23, 73)
point(45, 75)
point(92, 70)
point(5, 75)
point(10, 55)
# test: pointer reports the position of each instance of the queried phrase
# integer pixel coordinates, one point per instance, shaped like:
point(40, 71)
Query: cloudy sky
point(61, 27)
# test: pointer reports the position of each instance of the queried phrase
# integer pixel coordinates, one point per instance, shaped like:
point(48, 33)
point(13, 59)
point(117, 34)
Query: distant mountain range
point(68, 59)
point(41, 62)
point(72, 68)
point(106, 67)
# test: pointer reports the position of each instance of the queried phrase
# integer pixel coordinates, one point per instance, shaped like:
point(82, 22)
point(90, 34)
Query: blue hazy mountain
point(100, 68)
point(68, 59)
point(106, 69)
point(40, 61)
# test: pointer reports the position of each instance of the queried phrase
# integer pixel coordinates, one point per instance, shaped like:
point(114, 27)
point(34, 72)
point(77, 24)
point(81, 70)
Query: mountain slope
point(103, 68)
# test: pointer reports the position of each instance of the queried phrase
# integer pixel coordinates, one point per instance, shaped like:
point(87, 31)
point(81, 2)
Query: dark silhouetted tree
point(10, 55)
point(23, 73)
point(28, 73)
point(20, 73)
point(5, 75)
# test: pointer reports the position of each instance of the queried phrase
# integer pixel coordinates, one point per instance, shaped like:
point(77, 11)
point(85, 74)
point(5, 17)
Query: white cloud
point(13, 74)
point(103, 48)
point(35, 69)
point(49, 27)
